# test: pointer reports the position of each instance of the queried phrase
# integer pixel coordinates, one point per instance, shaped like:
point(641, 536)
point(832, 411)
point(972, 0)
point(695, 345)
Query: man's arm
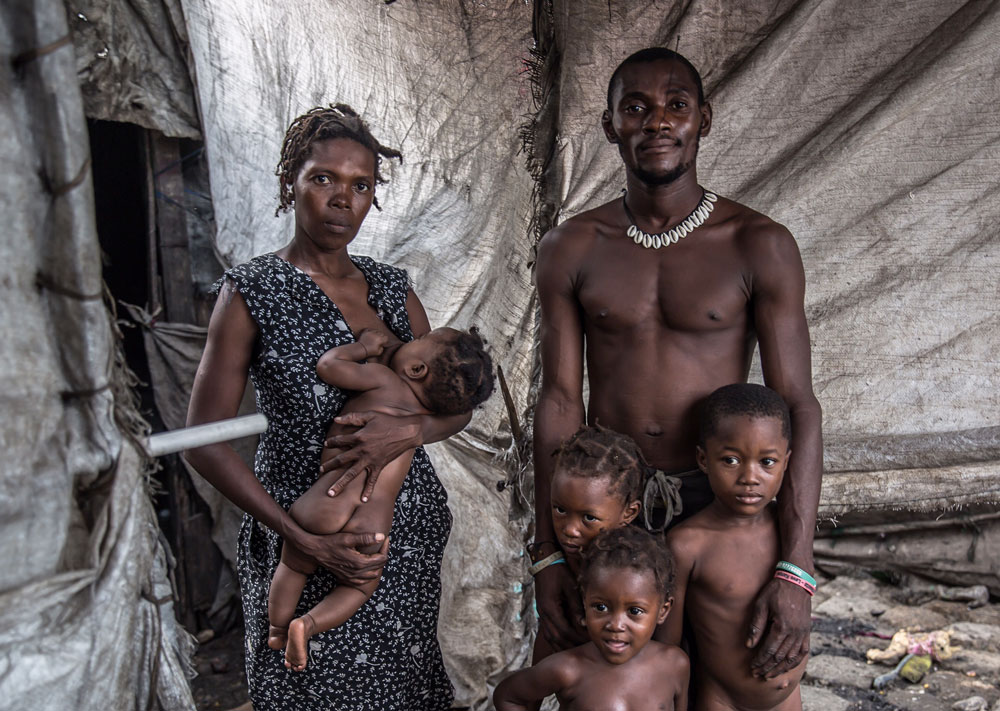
point(558, 414)
point(783, 336)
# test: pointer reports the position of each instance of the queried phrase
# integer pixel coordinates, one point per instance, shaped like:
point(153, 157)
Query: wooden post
point(171, 224)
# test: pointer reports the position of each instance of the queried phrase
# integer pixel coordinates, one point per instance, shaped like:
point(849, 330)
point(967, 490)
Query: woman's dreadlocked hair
point(321, 124)
point(595, 452)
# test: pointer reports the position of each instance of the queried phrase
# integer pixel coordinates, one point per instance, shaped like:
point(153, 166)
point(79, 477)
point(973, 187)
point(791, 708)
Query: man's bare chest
point(687, 291)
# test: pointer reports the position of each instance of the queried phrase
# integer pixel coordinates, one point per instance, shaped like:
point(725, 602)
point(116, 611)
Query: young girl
point(625, 577)
point(596, 485)
point(445, 372)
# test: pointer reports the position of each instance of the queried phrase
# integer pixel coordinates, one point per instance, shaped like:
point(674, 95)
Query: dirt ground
point(851, 615)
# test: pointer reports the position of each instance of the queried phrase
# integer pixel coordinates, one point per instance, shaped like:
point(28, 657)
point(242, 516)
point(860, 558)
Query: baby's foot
point(296, 653)
point(277, 637)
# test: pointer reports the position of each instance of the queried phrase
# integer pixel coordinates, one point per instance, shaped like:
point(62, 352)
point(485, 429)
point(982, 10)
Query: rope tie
point(33, 54)
point(665, 492)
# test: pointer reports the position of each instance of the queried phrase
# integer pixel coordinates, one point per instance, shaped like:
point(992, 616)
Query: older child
point(625, 577)
point(595, 486)
point(729, 550)
point(445, 372)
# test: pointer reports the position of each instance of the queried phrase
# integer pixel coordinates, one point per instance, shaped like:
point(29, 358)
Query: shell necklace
point(688, 225)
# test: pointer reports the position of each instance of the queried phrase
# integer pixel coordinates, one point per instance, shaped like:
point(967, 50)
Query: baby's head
point(450, 370)
point(626, 578)
point(596, 485)
point(744, 445)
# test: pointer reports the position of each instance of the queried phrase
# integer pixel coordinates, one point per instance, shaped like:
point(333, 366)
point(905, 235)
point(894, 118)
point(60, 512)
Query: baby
point(625, 578)
point(726, 553)
point(596, 485)
point(445, 372)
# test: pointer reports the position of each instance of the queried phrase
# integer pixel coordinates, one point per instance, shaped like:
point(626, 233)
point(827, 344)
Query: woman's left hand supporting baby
point(380, 439)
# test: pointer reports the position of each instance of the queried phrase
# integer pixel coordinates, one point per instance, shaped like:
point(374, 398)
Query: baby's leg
point(317, 513)
point(286, 587)
point(344, 600)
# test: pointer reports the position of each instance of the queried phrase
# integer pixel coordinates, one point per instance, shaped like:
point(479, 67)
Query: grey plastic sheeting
point(132, 63)
point(86, 618)
point(868, 129)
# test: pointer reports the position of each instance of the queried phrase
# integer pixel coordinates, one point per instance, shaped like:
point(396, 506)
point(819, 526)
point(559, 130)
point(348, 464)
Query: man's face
point(656, 121)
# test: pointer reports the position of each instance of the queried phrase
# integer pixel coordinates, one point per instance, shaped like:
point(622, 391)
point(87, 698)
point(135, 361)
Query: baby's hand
point(374, 341)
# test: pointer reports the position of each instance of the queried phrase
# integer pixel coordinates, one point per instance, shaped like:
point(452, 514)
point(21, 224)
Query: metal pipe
point(200, 435)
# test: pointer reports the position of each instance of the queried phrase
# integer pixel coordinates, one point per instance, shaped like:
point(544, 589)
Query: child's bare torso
point(647, 682)
point(731, 564)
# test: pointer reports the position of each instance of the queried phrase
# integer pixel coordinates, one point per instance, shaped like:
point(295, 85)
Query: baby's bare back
point(319, 513)
point(731, 566)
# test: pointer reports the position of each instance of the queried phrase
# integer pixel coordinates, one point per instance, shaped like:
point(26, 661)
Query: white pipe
point(200, 435)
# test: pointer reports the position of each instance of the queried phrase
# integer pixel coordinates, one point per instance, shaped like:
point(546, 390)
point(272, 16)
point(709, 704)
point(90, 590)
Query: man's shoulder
point(577, 232)
point(748, 224)
point(753, 232)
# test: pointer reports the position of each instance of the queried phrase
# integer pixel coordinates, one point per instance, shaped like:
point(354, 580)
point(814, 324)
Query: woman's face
point(333, 193)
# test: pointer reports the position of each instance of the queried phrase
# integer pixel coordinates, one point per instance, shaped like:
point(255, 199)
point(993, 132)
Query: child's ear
point(631, 511)
point(665, 610)
point(416, 370)
point(701, 458)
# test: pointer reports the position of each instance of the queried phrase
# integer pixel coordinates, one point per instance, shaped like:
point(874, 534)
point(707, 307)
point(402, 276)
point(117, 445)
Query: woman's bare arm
point(216, 395)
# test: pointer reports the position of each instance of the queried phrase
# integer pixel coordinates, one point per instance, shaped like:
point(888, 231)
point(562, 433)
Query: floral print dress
point(386, 657)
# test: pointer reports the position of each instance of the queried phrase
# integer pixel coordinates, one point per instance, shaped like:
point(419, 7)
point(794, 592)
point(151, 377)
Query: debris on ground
point(851, 616)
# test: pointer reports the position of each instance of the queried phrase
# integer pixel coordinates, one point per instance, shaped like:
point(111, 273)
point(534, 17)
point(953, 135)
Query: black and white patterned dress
point(386, 657)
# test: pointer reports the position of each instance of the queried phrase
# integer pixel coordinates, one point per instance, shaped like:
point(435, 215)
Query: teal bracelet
point(796, 571)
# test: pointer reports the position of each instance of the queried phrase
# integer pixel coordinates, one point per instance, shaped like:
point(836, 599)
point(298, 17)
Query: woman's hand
point(380, 439)
point(341, 554)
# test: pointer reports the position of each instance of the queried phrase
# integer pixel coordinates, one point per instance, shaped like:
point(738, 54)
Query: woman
point(274, 317)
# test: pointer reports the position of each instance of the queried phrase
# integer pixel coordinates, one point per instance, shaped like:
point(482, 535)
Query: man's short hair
point(745, 399)
point(655, 54)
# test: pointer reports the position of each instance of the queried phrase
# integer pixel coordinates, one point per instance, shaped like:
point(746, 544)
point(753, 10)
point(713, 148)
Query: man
point(668, 317)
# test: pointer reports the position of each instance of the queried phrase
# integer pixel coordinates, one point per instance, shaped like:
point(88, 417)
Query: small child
point(728, 551)
point(625, 576)
point(445, 372)
point(596, 484)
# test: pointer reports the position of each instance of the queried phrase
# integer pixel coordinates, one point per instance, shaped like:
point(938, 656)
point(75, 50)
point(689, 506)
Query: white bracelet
point(545, 562)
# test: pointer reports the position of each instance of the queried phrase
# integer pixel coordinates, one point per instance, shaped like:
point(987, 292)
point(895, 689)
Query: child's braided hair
point(595, 452)
point(321, 124)
point(629, 547)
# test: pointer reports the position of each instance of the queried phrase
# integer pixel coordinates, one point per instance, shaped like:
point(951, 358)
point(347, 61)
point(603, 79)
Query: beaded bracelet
point(796, 571)
point(551, 559)
point(795, 580)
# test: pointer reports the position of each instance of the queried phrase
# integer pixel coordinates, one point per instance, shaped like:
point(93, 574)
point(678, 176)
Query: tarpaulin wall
point(868, 129)
point(86, 613)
